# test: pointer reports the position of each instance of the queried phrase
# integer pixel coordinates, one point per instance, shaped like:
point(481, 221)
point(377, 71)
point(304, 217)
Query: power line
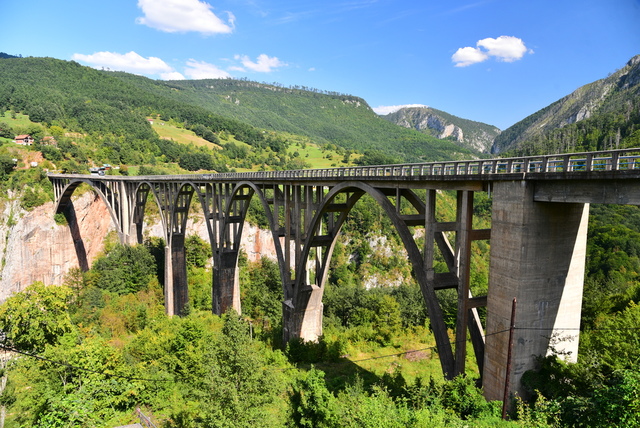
point(455, 343)
point(71, 366)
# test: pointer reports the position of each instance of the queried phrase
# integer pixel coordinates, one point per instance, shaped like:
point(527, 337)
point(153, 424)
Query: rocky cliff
point(617, 94)
point(474, 135)
point(35, 248)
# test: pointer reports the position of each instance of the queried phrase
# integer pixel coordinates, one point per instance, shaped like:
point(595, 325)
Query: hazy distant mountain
point(600, 115)
point(467, 133)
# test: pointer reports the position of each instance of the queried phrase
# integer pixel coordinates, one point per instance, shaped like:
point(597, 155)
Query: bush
point(125, 269)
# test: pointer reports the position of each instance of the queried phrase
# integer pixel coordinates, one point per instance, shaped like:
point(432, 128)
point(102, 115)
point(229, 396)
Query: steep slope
point(477, 136)
point(610, 106)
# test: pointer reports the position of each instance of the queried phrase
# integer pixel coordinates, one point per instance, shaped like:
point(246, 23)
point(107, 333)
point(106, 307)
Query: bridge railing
point(610, 160)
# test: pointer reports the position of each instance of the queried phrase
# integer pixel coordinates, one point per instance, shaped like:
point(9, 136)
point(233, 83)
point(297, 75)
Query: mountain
point(600, 115)
point(101, 102)
point(467, 133)
point(325, 117)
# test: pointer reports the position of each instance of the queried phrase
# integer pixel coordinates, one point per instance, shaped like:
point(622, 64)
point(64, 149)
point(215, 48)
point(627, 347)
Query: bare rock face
point(35, 248)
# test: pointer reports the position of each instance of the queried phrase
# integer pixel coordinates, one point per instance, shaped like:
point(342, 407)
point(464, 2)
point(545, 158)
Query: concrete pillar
point(226, 283)
point(168, 282)
point(537, 256)
point(179, 274)
point(304, 318)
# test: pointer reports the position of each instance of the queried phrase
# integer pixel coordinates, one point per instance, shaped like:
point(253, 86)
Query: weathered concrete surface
point(538, 257)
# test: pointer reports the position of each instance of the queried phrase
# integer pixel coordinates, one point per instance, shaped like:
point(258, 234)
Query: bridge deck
point(618, 164)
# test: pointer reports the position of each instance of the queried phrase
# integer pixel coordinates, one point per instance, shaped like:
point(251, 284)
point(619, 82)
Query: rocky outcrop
point(35, 248)
point(615, 94)
point(474, 135)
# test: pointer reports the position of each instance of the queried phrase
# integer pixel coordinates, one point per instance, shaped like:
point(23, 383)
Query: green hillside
point(91, 101)
point(601, 115)
point(343, 120)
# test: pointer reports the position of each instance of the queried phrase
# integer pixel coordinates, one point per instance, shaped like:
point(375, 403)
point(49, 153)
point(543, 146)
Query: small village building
point(24, 140)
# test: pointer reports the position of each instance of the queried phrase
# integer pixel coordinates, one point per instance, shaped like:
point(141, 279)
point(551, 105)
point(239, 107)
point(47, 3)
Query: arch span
point(305, 317)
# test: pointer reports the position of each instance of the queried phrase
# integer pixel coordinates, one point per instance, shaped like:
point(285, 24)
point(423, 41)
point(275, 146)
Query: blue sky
point(493, 61)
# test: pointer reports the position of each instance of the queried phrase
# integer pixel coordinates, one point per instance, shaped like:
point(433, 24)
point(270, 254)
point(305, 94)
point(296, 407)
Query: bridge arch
point(308, 296)
point(106, 194)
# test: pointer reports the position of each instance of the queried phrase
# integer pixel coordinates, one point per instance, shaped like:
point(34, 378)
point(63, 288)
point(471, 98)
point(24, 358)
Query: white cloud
point(183, 16)
point(130, 62)
point(504, 48)
point(264, 63)
point(467, 56)
point(383, 110)
point(202, 70)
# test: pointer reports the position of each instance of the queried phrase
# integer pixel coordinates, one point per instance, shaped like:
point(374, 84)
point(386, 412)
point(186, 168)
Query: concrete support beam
point(168, 282)
point(179, 273)
point(537, 256)
point(226, 286)
point(304, 321)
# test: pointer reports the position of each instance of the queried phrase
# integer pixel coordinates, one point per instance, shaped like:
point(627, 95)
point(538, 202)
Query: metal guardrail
point(610, 160)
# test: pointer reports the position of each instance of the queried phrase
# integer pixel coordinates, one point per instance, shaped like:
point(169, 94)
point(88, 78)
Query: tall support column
point(464, 222)
point(169, 302)
point(179, 267)
point(537, 256)
point(226, 290)
point(308, 247)
point(233, 203)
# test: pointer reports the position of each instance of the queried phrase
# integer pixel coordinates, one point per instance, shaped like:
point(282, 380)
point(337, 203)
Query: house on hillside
point(24, 140)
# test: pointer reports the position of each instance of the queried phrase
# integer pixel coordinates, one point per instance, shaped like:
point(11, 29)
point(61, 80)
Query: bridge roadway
point(538, 240)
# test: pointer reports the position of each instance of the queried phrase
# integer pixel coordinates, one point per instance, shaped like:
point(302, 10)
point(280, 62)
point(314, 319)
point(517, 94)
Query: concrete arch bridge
point(538, 239)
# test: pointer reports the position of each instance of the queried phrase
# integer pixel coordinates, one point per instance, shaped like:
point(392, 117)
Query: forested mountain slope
point(601, 115)
point(477, 136)
point(325, 117)
point(93, 101)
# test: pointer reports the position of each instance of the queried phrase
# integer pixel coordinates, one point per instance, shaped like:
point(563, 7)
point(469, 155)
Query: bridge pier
point(538, 257)
point(226, 282)
point(179, 274)
point(304, 320)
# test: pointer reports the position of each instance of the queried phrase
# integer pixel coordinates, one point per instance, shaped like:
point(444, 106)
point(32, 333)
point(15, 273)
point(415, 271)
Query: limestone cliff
point(474, 135)
point(35, 248)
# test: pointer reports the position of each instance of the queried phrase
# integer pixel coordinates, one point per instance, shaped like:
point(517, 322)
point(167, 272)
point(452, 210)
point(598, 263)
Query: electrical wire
point(397, 354)
point(71, 366)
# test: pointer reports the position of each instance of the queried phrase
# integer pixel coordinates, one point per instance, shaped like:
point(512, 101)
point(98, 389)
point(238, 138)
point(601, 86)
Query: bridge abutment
point(538, 257)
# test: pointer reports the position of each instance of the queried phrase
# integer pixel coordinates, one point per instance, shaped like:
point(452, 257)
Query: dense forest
point(95, 350)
